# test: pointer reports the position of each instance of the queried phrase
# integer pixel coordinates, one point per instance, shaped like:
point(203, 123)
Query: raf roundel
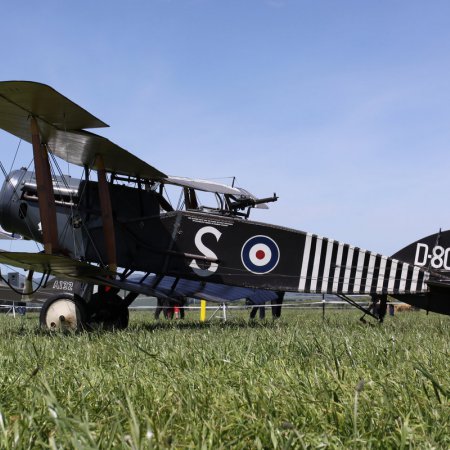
point(260, 254)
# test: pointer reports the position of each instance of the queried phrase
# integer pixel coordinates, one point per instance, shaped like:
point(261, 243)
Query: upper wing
point(61, 124)
point(22, 98)
point(203, 185)
point(81, 148)
point(213, 186)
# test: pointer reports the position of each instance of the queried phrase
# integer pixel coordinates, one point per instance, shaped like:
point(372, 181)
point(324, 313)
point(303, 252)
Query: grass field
point(300, 382)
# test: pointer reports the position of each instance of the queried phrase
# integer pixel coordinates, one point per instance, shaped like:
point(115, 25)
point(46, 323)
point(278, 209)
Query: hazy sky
point(340, 107)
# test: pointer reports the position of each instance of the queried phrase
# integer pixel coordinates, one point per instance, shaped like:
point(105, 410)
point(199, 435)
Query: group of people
point(276, 304)
point(174, 308)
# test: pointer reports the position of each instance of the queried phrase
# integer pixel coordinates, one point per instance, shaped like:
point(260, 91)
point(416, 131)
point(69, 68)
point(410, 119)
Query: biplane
point(119, 231)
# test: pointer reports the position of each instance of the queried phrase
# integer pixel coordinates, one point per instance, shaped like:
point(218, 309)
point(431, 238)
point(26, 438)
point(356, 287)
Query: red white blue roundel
point(260, 254)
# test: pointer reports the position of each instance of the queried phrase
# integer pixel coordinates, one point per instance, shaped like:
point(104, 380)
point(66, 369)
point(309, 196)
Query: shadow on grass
point(197, 325)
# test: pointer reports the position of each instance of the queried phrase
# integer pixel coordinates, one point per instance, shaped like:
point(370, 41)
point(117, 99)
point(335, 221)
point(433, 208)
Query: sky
point(340, 107)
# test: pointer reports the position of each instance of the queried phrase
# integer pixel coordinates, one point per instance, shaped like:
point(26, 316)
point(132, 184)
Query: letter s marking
point(205, 251)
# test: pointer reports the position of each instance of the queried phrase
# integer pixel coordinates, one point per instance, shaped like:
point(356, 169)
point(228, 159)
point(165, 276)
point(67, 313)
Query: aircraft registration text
point(438, 258)
point(63, 285)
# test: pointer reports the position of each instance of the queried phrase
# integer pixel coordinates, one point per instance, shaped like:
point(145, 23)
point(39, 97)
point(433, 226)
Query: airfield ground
point(300, 382)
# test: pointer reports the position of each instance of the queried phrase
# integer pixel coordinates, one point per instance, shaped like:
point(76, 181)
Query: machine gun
point(249, 202)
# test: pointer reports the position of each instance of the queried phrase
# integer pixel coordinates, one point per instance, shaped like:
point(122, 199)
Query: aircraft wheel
point(63, 312)
point(121, 318)
point(108, 312)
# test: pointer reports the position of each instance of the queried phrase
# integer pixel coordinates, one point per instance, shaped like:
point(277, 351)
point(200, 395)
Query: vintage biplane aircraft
point(121, 232)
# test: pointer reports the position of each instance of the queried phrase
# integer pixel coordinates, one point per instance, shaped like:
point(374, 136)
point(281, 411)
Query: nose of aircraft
point(2, 196)
point(8, 195)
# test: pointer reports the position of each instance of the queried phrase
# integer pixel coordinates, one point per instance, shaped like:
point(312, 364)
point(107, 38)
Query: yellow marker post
point(202, 310)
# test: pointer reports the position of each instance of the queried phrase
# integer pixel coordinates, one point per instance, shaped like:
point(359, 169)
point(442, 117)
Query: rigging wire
point(81, 195)
point(180, 201)
point(167, 195)
point(15, 156)
point(77, 252)
point(62, 178)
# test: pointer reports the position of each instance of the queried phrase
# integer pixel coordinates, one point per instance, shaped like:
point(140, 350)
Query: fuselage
point(201, 244)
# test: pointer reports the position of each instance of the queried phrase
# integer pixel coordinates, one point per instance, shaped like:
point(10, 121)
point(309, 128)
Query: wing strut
point(47, 208)
point(107, 215)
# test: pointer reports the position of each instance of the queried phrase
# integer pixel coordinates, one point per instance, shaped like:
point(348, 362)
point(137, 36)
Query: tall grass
point(300, 382)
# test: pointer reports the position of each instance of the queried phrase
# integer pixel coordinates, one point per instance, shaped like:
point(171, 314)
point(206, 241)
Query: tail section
point(431, 253)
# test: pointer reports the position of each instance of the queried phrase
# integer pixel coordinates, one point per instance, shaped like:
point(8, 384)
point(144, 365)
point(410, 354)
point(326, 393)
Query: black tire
point(108, 312)
point(63, 312)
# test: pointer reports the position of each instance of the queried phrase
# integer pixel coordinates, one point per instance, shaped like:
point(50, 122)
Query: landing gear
point(66, 312)
point(377, 309)
point(108, 311)
point(63, 312)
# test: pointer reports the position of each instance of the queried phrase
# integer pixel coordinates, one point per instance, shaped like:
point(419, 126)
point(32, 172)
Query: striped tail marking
point(329, 266)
